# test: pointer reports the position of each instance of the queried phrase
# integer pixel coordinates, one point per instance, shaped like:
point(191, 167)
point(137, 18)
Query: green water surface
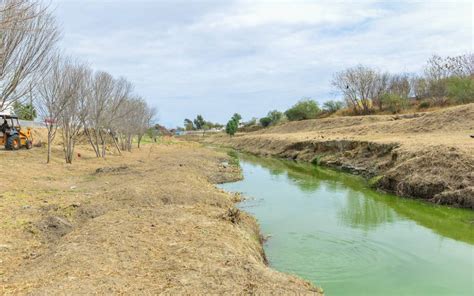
point(330, 228)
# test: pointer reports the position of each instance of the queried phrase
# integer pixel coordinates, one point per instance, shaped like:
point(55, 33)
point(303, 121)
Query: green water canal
point(331, 229)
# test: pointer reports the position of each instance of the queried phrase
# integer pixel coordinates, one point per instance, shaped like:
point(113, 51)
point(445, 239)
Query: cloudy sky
point(219, 57)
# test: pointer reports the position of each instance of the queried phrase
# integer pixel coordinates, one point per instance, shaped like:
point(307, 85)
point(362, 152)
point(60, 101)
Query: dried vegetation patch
point(149, 222)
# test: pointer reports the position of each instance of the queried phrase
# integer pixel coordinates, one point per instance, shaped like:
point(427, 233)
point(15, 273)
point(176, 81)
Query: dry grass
point(430, 155)
point(148, 222)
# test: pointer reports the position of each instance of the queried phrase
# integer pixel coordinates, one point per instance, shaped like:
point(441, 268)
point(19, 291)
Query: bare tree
point(52, 99)
point(146, 122)
point(136, 117)
point(439, 69)
point(400, 85)
point(122, 92)
point(76, 90)
point(462, 65)
point(359, 86)
point(381, 85)
point(28, 35)
point(419, 87)
point(106, 97)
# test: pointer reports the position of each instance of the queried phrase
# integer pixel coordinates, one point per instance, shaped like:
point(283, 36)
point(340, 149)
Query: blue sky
point(219, 57)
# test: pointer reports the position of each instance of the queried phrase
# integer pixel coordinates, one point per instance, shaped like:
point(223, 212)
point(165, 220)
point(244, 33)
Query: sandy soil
point(148, 222)
point(421, 155)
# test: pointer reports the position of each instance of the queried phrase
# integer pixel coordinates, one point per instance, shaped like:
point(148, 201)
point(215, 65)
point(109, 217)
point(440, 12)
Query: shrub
point(234, 158)
point(231, 127)
point(251, 122)
point(24, 111)
point(265, 121)
point(461, 90)
point(332, 106)
point(424, 105)
point(304, 109)
point(394, 103)
point(275, 116)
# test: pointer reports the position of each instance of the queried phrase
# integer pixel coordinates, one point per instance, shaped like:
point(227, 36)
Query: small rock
point(73, 187)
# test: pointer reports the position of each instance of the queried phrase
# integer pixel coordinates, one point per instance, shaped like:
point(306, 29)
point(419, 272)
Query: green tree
point(265, 121)
point(237, 118)
point(461, 90)
point(332, 106)
point(304, 109)
point(275, 116)
point(199, 122)
point(188, 124)
point(231, 127)
point(24, 111)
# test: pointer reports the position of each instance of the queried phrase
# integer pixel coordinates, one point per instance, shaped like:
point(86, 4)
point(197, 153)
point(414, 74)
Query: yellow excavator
point(12, 135)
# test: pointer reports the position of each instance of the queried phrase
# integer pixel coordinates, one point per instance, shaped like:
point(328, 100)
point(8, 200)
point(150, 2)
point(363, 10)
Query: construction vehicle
point(12, 135)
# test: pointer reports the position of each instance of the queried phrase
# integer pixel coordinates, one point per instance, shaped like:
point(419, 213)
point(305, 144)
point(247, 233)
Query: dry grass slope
point(150, 222)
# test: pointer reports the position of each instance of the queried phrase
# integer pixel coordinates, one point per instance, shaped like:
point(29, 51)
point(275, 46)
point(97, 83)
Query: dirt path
point(149, 222)
point(425, 155)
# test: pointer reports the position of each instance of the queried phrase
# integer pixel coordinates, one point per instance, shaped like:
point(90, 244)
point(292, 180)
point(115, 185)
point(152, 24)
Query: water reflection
point(367, 209)
point(364, 213)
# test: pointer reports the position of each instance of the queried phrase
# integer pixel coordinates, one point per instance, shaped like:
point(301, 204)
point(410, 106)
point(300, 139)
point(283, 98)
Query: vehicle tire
point(29, 144)
point(13, 143)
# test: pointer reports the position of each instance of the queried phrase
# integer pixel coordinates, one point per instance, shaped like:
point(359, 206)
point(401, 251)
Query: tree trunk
point(50, 136)
point(96, 134)
point(129, 143)
point(89, 137)
point(102, 139)
point(139, 140)
point(116, 144)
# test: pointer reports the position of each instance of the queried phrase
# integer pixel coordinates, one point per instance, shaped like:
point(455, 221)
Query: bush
point(275, 116)
point(24, 111)
point(394, 103)
point(231, 127)
point(304, 109)
point(461, 90)
point(251, 122)
point(265, 121)
point(332, 106)
point(424, 105)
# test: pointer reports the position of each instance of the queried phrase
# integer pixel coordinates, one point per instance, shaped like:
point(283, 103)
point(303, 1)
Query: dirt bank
point(425, 155)
point(148, 222)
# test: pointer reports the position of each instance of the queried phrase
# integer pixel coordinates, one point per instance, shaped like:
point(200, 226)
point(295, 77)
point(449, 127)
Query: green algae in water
point(332, 229)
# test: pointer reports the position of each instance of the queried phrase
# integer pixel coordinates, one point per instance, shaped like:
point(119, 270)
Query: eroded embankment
point(435, 163)
point(150, 222)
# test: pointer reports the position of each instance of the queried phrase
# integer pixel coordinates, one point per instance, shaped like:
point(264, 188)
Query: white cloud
point(248, 56)
point(260, 13)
